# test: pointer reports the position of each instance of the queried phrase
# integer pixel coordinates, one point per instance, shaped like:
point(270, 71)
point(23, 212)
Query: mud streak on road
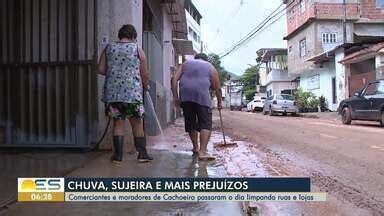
point(346, 197)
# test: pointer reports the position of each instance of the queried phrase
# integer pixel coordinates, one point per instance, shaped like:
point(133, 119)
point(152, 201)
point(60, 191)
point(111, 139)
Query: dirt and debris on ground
point(344, 161)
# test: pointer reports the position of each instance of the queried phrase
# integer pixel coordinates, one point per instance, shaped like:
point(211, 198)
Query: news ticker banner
point(166, 189)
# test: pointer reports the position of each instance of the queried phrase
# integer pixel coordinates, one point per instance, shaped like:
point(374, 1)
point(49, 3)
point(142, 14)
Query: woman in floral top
point(124, 65)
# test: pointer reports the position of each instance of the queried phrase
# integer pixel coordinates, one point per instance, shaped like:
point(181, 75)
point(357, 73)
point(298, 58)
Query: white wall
point(342, 74)
point(111, 16)
point(277, 87)
point(278, 80)
point(277, 75)
point(379, 64)
point(168, 59)
point(263, 75)
point(191, 23)
point(325, 83)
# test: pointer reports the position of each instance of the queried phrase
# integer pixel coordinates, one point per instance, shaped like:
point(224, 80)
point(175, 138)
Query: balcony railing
point(277, 75)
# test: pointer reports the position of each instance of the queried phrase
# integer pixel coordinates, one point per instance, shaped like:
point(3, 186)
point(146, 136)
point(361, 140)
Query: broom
point(225, 144)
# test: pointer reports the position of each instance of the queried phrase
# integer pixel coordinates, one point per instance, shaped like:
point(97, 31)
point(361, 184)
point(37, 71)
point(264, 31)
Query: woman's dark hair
point(201, 56)
point(127, 31)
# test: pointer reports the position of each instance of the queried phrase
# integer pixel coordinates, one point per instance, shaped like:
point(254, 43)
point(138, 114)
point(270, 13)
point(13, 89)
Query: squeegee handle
point(222, 126)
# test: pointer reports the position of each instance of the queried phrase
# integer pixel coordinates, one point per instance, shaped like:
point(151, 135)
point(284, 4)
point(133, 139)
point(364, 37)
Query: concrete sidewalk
point(175, 163)
point(33, 163)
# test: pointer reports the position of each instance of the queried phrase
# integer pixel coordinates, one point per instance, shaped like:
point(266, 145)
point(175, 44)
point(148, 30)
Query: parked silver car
point(280, 103)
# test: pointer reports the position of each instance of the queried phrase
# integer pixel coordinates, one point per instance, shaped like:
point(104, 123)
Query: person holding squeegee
point(196, 77)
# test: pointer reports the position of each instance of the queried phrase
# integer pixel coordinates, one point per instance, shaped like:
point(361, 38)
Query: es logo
point(41, 184)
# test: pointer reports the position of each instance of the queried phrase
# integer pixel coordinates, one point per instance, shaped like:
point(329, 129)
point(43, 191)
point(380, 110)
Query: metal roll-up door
point(48, 92)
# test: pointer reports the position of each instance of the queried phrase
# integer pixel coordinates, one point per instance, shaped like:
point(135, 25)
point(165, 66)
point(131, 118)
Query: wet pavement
point(176, 161)
point(31, 163)
point(266, 146)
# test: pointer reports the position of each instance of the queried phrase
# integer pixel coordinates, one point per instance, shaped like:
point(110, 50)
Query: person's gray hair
point(201, 56)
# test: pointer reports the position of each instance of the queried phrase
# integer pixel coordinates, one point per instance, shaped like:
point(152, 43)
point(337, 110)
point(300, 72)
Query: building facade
point(49, 88)
point(194, 29)
point(232, 91)
point(274, 67)
point(321, 33)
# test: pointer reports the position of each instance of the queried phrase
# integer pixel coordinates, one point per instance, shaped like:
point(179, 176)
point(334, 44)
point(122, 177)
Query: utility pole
point(230, 94)
point(345, 22)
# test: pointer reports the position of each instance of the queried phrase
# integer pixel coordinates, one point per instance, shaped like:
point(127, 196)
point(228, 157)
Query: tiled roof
point(372, 50)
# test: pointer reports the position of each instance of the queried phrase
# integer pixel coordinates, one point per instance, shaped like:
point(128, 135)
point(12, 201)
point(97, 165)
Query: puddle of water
point(243, 160)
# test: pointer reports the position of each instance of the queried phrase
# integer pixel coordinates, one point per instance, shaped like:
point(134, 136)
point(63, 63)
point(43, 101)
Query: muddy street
point(345, 161)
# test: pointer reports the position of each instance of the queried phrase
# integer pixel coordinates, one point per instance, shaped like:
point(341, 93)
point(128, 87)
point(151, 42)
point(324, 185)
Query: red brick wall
point(332, 10)
point(295, 18)
point(319, 10)
point(369, 10)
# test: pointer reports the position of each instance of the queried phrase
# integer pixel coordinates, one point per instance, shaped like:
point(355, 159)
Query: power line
point(230, 18)
point(245, 38)
point(271, 23)
point(262, 28)
point(252, 32)
point(257, 29)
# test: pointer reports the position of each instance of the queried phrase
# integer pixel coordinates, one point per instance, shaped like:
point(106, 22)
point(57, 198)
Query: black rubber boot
point(141, 148)
point(118, 142)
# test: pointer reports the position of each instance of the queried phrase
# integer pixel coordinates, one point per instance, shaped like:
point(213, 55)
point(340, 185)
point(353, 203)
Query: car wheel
point(346, 116)
point(264, 111)
point(271, 113)
point(293, 114)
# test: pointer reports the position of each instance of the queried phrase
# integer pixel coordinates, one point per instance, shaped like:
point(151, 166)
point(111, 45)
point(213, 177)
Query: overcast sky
point(226, 21)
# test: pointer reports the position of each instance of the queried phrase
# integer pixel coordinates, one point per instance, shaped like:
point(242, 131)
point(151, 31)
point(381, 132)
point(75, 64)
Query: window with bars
point(302, 6)
point(190, 31)
point(291, 14)
point(195, 36)
point(303, 47)
point(329, 38)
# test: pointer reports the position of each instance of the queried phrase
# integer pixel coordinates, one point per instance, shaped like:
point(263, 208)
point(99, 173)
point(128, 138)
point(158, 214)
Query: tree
point(249, 80)
point(214, 59)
